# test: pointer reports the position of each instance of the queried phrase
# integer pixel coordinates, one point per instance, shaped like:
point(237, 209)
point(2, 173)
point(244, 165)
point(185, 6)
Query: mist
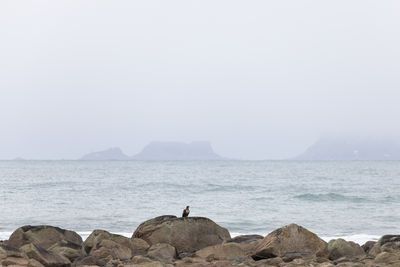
point(259, 79)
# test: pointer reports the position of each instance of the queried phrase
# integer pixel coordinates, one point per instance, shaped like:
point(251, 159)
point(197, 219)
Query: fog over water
point(258, 79)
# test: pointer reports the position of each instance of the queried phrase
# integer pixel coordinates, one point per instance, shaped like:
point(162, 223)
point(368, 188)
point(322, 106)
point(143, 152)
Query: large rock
point(47, 258)
point(108, 250)
point(246, 238)
point(10, 251)
point(43, 236)
point(85, 260)
point(162, 252)
point(248, 243)
point(67, 249)
point(388, 258)
point(341, 248)
point(34, 263)
point(368, 246)
point(291, 239)
point(141, 261)
point(136, 245)
point(185, 234)
point(387, 243)
point(14, 261)
point(225, 251)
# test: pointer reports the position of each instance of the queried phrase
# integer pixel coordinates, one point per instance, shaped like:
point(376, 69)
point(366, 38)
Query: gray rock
point(14, 261)
point(387, 243)
point(162, 252)
point(108, 250)
point(339, 248)
point(47, 258)
point(85, 260)
point(291, 239)
point(225, 251)
point(368, 246)
point(43, 236)
point(136, 245)
point(185, 234)
point(245, 238)
point(387, 258)
point(141, 261)
point(67, 249)
point(10, 251)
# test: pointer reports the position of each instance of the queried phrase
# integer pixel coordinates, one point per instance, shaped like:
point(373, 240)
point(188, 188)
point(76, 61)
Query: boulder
point(387, 243)
point(47, 258)
point(10, 251)
point(223, 263)
point(339, 248)
point(141, 261)
point(248, 243)
point(86, 260)
point(185, 234)
point(388, 258)
point(34, 263)
point(326, 264)
point(108, 250)
point(246, 238)
point(14, 261)
point(368, 246)
point(67, 249)
point(43, 236)
point(291, 239)
point(225, 251)
point(136, 245)
point(162, 252)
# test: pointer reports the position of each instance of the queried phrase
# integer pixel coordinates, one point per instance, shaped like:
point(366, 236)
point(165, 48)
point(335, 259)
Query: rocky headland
point(161, 151)
point(192, 241)
point(352, 148)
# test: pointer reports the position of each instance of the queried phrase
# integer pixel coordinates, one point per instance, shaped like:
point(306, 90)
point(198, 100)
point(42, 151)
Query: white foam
point(84, 235)
point(5, 235)
point(359, 238)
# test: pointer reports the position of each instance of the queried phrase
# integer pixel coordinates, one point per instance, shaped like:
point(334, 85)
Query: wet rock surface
point(200, 243)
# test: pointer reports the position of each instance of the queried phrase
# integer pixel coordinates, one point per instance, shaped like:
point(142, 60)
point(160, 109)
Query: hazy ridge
point(161, 151)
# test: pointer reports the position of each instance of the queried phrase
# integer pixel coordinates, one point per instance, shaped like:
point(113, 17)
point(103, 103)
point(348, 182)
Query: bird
point(185, 212)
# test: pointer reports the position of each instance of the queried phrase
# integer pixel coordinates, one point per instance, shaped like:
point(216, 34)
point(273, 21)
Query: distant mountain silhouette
point(178, 151)
point(341, 148)
point(114, 153)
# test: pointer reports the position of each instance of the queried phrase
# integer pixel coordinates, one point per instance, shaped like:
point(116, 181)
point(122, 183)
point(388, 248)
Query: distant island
point(177, 151)
point(345, 148)
point(161, 151)
point(114, 153)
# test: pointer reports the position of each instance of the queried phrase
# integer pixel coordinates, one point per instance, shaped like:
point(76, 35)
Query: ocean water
point(358, 201)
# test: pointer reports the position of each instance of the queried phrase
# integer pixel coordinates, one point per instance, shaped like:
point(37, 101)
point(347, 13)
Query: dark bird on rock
point(186, 212)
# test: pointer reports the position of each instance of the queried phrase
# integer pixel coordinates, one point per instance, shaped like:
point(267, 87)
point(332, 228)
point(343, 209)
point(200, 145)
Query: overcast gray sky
point(259, 79)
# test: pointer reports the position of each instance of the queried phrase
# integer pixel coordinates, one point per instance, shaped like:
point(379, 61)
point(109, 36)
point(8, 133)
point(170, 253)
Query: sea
point(354, 200)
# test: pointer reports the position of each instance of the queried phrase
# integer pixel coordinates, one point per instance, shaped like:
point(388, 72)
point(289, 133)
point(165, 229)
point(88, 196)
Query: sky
point(258, 79)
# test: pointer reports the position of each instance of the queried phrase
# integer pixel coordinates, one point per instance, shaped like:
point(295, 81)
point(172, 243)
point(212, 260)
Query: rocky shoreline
point(192, 241)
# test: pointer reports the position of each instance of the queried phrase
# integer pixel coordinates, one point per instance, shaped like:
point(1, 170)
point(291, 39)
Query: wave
point(331, 197)
point(228, 188)
point(361, 239)
point(358, 238)
point(84, 235)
